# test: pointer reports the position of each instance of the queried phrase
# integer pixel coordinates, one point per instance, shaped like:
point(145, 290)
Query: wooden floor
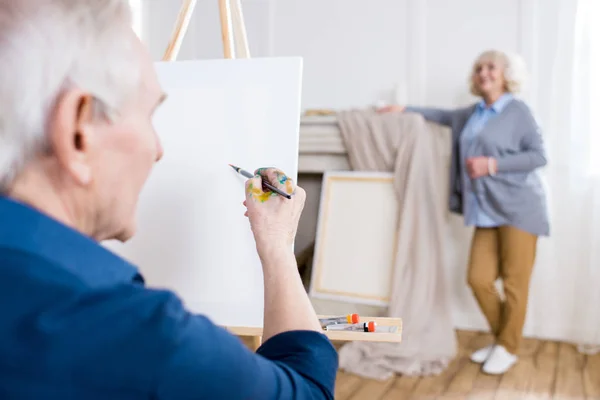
point(546, 370)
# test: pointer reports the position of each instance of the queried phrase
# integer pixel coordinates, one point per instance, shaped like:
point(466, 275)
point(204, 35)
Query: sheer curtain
point(566, 286)
point(136, 7)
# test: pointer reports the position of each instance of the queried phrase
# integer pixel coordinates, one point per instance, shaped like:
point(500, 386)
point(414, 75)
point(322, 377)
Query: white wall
point(357, 52)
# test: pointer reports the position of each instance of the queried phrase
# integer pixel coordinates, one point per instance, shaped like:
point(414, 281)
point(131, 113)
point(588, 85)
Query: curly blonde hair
point(515, 71)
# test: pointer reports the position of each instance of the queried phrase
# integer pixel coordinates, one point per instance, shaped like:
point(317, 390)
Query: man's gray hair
point(47, 46)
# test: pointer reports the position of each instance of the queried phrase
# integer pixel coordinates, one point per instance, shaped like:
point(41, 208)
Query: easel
point(233, 29)
point(234, 37)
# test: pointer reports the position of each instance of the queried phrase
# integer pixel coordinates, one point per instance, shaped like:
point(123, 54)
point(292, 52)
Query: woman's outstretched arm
point(439, 115)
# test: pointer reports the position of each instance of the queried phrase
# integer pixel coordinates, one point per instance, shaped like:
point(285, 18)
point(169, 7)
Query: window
point(136, 7)
point(594, 114)
point(586, 92)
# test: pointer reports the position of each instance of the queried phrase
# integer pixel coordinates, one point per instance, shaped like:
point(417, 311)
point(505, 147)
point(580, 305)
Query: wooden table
point(344, 336)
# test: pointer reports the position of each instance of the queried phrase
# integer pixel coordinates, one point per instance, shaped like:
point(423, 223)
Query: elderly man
point(78, 91)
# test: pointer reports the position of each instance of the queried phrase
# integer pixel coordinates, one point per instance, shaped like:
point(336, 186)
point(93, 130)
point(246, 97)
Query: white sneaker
point(481, 355)
point(499, 361)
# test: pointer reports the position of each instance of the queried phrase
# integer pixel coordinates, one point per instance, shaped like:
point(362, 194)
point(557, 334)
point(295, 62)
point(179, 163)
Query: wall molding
point(416, 46)
point(528, 45)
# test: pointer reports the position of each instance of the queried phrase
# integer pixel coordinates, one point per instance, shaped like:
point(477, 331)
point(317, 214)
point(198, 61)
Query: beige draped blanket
point(413, 150)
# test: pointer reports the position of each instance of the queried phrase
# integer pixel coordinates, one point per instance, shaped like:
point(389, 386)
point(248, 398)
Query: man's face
point(123, 156)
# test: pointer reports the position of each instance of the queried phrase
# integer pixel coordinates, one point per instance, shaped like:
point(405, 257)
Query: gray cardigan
point(515, 195)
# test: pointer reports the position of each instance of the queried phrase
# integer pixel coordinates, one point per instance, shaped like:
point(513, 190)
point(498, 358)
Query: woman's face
point(489, 76)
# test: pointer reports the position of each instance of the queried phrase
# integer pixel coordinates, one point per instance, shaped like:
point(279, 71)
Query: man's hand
point(273, 218)
point(274, 221)
point(480, 166)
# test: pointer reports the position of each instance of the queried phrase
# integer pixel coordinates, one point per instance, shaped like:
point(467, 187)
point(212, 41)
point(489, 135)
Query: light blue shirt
point(517, 196)
point(472, 211)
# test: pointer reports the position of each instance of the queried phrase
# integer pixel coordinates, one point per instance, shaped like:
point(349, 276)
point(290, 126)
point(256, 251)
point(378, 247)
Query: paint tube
point(347, 319)
point(363, 327)
point(386, 329)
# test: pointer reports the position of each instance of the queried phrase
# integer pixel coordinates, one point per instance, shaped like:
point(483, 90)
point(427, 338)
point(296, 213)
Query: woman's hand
point(273, 218)
point(480, 166)
point(392, 108)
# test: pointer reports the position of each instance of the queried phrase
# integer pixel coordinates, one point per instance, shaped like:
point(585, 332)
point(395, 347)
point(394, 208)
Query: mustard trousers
point(507, 253)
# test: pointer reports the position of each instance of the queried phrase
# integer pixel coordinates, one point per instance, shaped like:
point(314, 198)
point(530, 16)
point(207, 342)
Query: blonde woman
point(497, 150)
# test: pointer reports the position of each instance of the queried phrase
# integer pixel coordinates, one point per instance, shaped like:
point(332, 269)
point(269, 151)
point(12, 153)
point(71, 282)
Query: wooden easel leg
point(180, 29)
point(257, 341)
point(231, 29)
point(239, 30)
point(225, 13)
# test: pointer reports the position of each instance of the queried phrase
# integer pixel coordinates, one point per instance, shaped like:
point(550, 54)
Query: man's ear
point(70, 130)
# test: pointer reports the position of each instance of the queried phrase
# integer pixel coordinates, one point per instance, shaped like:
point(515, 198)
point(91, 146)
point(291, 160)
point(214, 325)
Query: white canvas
point(356, 237)
point(192, 235)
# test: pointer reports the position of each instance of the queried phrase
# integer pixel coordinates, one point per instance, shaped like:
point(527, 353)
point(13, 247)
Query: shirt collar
point(499, 104)
point(28, 230)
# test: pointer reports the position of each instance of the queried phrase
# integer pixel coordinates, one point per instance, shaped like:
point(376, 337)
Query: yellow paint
point(259, 194)
point(289, 187)
point(262, 196)
point(287, 182)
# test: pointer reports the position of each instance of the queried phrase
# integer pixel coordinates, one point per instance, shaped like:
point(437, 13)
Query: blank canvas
point(192, 235)
point(356, 238)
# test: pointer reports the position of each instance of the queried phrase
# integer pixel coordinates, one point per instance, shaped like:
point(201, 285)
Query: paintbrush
point(264, 182)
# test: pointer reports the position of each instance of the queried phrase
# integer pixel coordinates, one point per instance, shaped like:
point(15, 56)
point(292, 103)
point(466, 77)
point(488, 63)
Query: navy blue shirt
point(77, 322)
